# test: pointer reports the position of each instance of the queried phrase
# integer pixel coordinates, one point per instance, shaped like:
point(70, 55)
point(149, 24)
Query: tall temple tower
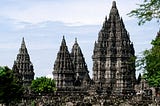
point(113, 55)
point(23, 67)
point(63, 72)
point(80, 66)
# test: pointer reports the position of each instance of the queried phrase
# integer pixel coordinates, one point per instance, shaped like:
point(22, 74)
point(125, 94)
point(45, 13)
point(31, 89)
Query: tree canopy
point(10, 89)
point(150, 63)
point(148, 10)
point(43, 85)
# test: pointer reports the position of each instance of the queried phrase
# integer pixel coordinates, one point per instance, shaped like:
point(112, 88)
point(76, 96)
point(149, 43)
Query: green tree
point(148, 10)
point(43, 85)
point(150, 63)
point(11, 90)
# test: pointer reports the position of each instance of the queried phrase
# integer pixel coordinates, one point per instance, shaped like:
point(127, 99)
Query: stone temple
point(113, 60)
point(113, 69)
point(23, 67)
point(113, 55)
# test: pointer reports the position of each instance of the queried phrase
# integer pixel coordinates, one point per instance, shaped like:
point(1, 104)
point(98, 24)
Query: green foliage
point(10, 90)
point(43, 85)
point(150, 9)
point(150, 63)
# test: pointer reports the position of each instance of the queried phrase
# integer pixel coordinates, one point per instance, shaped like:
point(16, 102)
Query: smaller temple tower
point(79, 65)
point(23, 67)
point(63, 71)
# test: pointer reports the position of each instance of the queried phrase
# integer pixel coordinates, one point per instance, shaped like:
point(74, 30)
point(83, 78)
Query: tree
point(11, 90)
point(43, 85)
point(150, 9)
point(150, 63)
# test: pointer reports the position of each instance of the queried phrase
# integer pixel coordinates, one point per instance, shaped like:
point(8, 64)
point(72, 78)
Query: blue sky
point(43, 23)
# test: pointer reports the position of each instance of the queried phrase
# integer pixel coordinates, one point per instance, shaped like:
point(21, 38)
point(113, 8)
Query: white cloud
point(70, 11)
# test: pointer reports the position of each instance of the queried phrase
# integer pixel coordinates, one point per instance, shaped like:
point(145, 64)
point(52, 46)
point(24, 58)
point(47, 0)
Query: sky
point(43, 23)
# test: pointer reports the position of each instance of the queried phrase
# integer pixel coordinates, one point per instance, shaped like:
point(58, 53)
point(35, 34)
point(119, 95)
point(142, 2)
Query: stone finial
point(114, 4)
point(63, 37)
point(63, 41)
point(23, 45)
point(23, 48)
point(75, 40)
point(114, 12)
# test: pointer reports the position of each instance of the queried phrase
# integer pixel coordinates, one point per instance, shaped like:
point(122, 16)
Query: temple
point(113, 69)
point(64, 73)
point(70, 70)
point(23, 67)
point(80, 66)
point(113, 56)
point(113, 60)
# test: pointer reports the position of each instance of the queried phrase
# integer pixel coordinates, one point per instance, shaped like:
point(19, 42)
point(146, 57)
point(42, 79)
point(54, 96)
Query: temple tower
point(79, 64)
point(63, 72)
point(23, 67)
point(113, 55)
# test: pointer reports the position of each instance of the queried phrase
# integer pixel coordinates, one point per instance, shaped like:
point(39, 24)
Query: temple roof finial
point(114, 4)
point(75, 40)
point(63, 41)
point(63, 37)
point(23, 45)
point(114, 11)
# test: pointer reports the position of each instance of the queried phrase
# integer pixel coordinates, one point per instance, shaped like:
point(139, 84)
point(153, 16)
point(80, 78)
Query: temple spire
point(76, 41)
point(23, 66)
point(113, 46)
point(114, 4)
point(23, 45)
point(23, 48)
point(63, 41)
point(63, 68)
point(114, 14)
point(78, 60)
